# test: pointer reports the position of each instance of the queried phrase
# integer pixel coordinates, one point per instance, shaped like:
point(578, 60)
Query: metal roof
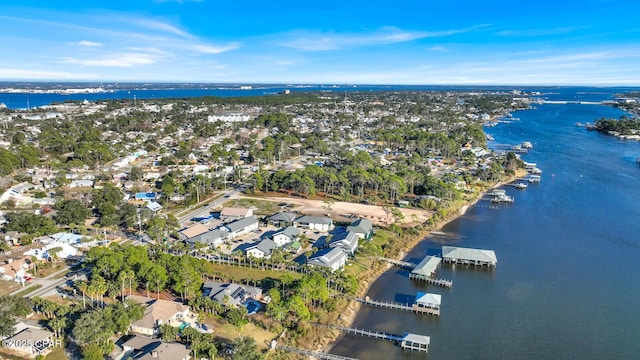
point(415, 338)
point(452, 252)
point(427, 266)
point(429, 299)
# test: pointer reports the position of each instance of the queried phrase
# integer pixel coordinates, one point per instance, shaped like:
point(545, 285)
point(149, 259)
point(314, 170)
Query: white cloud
point(116, 60)
point(438, 48)
point(88, 43)
point(324, 41)
point(540, 32)
point(210, 49)
point(21, 74)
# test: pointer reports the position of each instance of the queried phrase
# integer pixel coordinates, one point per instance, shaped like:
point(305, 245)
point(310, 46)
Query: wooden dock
point(398, 263)
point(397, 306)
point(432, 281)
point(407, 341)
point(315, 354)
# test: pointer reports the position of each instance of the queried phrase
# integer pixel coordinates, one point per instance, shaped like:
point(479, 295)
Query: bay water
point(567, 282)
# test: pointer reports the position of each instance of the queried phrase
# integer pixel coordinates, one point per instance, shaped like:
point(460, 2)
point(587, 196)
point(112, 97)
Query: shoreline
point(350, 312)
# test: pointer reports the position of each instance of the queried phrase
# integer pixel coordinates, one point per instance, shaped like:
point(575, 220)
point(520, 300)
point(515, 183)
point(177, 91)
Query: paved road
point(200, 210)
point(48, 283)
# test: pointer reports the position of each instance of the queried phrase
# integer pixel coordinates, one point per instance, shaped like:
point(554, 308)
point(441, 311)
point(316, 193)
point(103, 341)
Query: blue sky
point(591, 42)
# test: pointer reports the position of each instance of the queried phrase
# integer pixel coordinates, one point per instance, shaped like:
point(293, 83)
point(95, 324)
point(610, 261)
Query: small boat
point(526, 145)
point(579, 124)
point(520, 186)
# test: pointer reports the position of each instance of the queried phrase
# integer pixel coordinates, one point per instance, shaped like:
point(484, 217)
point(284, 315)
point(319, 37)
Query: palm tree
point(82, 286)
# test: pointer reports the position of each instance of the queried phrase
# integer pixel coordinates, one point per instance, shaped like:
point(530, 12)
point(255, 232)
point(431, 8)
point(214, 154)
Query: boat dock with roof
point(467, 256)
point(407, 341)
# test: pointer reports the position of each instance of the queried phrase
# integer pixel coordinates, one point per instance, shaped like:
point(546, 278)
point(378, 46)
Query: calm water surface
point(567, 281)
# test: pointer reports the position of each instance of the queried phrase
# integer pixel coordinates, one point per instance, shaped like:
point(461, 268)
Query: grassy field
point(29, 290)
point(8, 286)
point(57, 354)
point(261, 207)
point(240, 272)
point(229, 332)
point(48, 269)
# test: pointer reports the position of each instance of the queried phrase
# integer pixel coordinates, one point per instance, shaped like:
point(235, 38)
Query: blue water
point(567, 281)
point(149, 91)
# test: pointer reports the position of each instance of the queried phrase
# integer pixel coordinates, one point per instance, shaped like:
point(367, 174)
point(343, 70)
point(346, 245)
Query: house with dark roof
point(362, 227)
point(333, 258)
point(314, 222)
point(240, 227)
point(286, 235)
point(347, 240)
point(282, 219)
point(230, 294)
point(262, 249)
point(144, 348)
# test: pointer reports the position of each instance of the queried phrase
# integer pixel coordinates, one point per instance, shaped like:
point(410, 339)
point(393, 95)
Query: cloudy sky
point(591, 42)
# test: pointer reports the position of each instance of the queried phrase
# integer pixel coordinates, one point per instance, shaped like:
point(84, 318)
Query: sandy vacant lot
point(343, 211)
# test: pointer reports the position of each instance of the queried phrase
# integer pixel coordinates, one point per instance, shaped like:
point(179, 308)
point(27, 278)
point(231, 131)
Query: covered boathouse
point(466, 256)
point(426, 268)
point(415, 342)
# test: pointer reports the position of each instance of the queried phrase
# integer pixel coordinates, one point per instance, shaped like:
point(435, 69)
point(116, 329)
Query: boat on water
point(520, 186)
point(490, 138)
point(526, 145)
point(579, 124)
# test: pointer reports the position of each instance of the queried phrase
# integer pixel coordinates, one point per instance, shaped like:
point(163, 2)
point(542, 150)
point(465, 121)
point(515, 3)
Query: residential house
point(42, 253)
point(158, 312)
point(282, 219)
point(210, 238)
point(241, 227)
point(230, 294)
point(262, 249)
point(314, 222)
point(194, 230)
point(232, 213)
point(13, 269)
point(144, 348)
point(333, 258)
point(154, 206)
point(286, 235)
point(362, 227)
point(80, 183)
point(64, 237)
point(30, 341)
point(347, 240)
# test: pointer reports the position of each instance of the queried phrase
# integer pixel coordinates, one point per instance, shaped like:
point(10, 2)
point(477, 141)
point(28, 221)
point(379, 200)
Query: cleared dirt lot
point(342, 211)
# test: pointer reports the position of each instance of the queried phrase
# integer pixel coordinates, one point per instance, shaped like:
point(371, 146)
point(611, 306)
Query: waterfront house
point(333, 258)
point(362, 227)
point(314, 222)
point(230, 294)
point(241, 227)
point(347, 240)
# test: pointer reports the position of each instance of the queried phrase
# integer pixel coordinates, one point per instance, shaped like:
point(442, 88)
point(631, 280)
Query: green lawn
point(29, 289)
point(240, 272)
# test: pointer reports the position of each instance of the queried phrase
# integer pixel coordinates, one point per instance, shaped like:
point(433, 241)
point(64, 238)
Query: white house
point(80, 183)
point(43, 253)
point(347, 240)
point(286, 235)
point(241, 227)
point(333, 258)
point(314, 222)
point(262, 249)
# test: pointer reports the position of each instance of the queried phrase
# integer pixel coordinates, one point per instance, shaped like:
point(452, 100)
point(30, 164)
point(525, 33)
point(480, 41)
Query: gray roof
point(314, 220)
point(210, 237)
point(241, 224)
point(265, 245)
point(361, 226)
point(346, 240)
point(235, 292)
point(427, 266)
point(163, 350)
point(452, 252)
point(327, 257)
point(283, 216)
point(289, 231)
point(416, 338)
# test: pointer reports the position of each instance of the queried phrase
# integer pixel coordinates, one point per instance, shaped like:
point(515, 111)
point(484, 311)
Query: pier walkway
point(398, 263)
point(315, 354)
point(431, 281)
point(398, 306)
point(407, 341)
